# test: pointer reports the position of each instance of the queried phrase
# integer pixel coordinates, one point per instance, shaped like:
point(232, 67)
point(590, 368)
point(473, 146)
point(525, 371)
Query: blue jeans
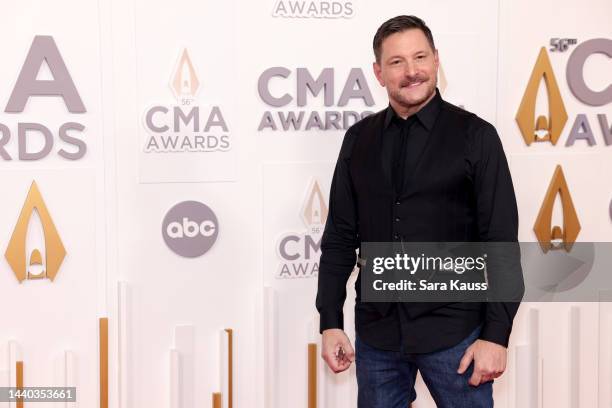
point(386, 378)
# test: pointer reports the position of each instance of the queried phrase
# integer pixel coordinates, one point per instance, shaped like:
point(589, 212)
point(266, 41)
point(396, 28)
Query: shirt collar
point(426, 115)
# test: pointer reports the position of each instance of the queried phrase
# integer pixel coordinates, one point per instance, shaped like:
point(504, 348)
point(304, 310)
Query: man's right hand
point(337, 350)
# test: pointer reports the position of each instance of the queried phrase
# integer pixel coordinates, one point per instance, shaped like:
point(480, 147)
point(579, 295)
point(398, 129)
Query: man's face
point(408, 68)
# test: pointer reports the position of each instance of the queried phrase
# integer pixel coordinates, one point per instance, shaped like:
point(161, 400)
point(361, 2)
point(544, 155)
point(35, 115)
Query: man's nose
point(410, 69)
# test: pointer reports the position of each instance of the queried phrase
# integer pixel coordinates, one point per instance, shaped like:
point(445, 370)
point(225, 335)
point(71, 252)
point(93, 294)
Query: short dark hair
point(397, 25)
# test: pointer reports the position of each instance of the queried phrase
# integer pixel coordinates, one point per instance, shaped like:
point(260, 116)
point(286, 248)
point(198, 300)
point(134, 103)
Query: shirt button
point(397, 202)
point(396, 236)
point(397, 219)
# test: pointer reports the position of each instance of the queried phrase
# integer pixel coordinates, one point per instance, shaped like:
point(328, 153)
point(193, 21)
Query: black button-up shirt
point(447, 180)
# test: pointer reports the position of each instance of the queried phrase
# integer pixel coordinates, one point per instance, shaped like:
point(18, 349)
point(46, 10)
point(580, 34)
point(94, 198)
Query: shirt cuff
point(496, 332)
point(331, 319)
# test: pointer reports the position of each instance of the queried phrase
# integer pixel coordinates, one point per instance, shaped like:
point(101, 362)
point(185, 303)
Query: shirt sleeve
point(497, 218)
point(339, 242)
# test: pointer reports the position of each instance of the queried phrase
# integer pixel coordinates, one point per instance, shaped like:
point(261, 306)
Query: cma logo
point(186, 126)
point(557, 237)
point(28, 258)
point(314, 9)
point(34, 140)
point(300, 252)
point(277, 91)
point(548, 128)
point(190, 229)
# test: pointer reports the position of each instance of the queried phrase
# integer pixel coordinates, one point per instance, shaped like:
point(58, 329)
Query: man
point(421, 170)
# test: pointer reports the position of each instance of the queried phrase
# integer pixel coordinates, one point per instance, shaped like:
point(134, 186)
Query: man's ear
point(378, 73)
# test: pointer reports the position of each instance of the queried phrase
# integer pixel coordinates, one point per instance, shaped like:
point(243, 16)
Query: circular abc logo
point(190, 229)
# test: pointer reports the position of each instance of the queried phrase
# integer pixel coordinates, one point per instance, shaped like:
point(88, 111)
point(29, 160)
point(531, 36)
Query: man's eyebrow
point(400, 56)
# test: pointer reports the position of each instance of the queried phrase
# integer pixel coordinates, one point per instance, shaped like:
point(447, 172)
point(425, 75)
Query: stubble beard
point(408, 103)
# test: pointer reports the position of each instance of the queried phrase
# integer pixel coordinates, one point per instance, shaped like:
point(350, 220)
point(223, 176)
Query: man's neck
point(404, 112)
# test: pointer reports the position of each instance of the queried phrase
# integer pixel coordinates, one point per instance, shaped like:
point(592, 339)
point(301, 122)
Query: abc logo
point(190, 229)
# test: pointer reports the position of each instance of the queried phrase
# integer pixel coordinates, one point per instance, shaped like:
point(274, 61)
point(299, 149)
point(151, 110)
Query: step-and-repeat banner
point(167, 167)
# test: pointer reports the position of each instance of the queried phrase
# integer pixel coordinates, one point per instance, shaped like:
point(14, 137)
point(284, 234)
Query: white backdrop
point(108, 206)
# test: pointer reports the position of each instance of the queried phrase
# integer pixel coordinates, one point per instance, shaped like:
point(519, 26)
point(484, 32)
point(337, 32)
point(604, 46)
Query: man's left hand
point(489, 361)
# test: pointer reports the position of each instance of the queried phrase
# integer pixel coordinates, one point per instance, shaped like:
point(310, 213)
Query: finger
point(330, 359)
point(338, 365)
point(475, 378)
point(465, 361)
point(344, 360)
point(343, 365)
point(487, 378)
point(333, 364)
point(349, 352)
